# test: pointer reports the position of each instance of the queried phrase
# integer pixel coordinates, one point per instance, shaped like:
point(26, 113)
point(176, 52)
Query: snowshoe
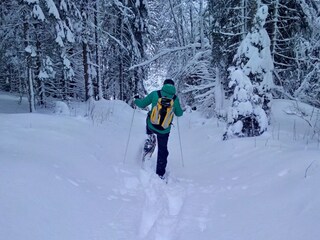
point(149, 146)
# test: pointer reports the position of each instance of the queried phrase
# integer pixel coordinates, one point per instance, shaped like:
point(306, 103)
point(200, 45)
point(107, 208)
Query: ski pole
point(182, 161)
point(125, 155)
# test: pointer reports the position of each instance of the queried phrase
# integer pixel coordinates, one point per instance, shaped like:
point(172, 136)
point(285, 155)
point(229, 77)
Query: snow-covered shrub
point(100, 111)
point(109, 111)
point(61, 108)
point(309, 114)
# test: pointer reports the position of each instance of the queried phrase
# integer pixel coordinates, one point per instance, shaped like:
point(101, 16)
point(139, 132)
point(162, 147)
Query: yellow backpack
point(162, 113)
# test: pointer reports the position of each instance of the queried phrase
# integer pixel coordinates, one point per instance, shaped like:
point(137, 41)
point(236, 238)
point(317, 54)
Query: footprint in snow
point(163, 203)
point(150, 212)
point(176, 197)
point(203, 219)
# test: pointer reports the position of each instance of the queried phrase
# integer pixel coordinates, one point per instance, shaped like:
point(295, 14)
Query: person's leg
point(148, 131)
point(162, 153)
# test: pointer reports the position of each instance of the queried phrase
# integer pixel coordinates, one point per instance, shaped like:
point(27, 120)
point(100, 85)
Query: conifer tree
point(252, 81)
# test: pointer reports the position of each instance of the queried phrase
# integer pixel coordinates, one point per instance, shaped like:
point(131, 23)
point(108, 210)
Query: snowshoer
point(164, 105)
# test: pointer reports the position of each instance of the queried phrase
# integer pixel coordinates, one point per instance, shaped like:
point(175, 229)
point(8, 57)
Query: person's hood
point(168, 90)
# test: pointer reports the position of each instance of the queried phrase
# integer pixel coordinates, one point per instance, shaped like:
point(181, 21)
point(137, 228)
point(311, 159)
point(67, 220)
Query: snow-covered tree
point(307, 51)
point(34, 18)
point(182, 50)
point(252, 82)
point(127, 27)
point(33, 25)
point(66, 41)
point(194, 73)
point(286, 24)
point(228, 28)
point(12, 57)
point(246, 118)
point(96, 48)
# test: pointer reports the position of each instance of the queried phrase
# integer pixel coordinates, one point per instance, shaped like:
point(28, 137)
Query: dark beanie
point(168, 81)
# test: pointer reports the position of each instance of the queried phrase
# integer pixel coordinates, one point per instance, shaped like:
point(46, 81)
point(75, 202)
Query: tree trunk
point(219, 92)
point(97, 49)
point(28, 68)
point(87, 80)
point(121, 67)
point(31, 91)
point(176, 23)
point(39, 83)
point(244, 5)
point(201, 23)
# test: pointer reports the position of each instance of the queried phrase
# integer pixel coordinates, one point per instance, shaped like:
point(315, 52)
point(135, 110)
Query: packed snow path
point(162, 206)
point(64, 177)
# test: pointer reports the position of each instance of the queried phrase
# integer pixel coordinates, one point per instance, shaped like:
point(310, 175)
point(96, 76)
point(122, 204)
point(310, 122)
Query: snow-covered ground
point(66, 177)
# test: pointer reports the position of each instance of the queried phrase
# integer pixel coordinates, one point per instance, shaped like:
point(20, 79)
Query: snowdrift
point(65, 177)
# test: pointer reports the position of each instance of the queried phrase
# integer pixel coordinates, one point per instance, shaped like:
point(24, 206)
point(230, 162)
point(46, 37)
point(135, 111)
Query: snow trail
point(162, 206)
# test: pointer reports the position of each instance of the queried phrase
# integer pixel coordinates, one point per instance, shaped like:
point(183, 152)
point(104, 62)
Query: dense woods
point(112, 49)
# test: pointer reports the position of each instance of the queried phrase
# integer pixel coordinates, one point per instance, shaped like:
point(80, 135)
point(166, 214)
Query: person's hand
point(136, 96)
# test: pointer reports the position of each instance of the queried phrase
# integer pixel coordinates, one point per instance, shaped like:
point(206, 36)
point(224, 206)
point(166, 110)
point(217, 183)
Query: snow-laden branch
point(165, 52)
point(199, 88)
point(280, 90)
point(304, 83)
point(204, 95)
point(311, 119)
point(118, 41)
point(53, 9)
point(229, 34)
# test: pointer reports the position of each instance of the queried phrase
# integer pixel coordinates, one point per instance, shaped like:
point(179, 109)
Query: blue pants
point(163, 152)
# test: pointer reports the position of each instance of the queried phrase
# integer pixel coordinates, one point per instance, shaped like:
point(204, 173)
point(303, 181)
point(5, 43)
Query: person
point(162, 132)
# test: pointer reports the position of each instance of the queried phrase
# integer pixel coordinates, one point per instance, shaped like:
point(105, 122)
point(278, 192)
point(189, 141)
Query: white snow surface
point(66, 177)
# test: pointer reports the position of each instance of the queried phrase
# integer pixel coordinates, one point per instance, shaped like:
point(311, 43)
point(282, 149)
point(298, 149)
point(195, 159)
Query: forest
point(228, 58)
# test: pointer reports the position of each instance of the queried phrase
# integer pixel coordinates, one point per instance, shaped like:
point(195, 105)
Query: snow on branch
point(53, 9)
point(38, 13)
point(31, 1)
point(165, 52)
point(198, 88)
point(116, 40)
point(302, 113)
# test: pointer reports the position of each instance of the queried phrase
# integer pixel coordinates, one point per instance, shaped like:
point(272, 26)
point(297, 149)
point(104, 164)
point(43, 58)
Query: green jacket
point(167, 90)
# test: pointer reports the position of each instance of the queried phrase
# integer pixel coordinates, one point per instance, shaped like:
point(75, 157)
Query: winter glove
point(136, 96)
